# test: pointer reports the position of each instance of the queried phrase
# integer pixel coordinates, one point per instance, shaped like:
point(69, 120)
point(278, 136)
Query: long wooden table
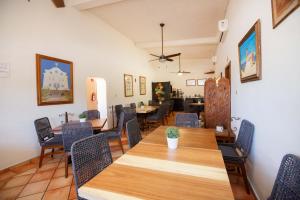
point(152, 171)
point(96, 124)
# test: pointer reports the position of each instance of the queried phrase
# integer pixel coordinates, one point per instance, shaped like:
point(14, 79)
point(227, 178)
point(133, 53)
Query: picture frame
point(128, 85)
point(281, 9)
point(201, 82)
point(249, 50)
point(54, 80)
point(142, 81)
point(190, 82)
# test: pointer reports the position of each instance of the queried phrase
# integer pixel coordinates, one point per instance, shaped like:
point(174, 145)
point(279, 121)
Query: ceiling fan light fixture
point(179, 73)
point(162, 60)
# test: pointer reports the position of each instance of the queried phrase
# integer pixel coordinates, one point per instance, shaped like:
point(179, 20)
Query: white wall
point(272, 103)
point(197, 67)
point(96, 49)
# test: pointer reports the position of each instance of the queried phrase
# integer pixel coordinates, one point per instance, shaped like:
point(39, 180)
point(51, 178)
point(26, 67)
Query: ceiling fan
point(180, 72)
point(162, 58)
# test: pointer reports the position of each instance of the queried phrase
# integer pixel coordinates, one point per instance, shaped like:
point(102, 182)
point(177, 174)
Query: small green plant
point(172, 132)
point(82, 116)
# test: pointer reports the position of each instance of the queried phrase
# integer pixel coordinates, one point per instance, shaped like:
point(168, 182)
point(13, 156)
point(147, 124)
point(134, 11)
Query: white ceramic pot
point(172, 143)
point(82, 119)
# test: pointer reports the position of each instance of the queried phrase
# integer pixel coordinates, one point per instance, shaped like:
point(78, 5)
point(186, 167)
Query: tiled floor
point(29, 182)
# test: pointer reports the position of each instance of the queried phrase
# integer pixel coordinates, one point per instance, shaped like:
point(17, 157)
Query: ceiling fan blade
point(154, 55)
point(59, 3)
point(173, 55)
point(168, 59)
point(186, 72)
point(154, 59)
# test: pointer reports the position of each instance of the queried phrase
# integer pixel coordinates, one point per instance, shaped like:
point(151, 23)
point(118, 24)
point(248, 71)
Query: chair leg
point(52, 152)
point(66, 165)
point(120, 143)
point(41, 156)
point(242, 167)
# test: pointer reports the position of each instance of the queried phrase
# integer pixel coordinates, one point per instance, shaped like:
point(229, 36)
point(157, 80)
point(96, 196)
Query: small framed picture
point(142, 85)
point(282, 9)
point(128, 85)
point(54, 78)
point(190, 82)
point(201, 82)
point(250, 54)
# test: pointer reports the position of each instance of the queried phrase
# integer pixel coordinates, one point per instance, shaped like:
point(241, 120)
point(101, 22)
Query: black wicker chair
point(72, 132)
point(117, 133)
point(186, 106)
point(118, 109)
point(89, 156)
point(133, 132)
point(287, 183)
point(47, 139)
point(159, 116)
point(237, 153)
point(92, 114)
point(187, 120)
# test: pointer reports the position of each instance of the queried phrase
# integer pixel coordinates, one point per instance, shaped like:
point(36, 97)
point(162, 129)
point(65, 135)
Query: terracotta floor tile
point(37, 196)
point(6, 175)
point(30, 171)
point(2, 183)
point(51, 160)
point(17, 181)
point(11, 193)
point(61, 164)
point(49, 166)
point(43, 175)
point(60, 182)
point(57, 194)
point(23, 168)
point(61, 172)
point(72, 194)
point(34, 188)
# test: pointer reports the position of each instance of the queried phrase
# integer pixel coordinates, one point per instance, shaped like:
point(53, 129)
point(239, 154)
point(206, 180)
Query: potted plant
point(172, 137)
point(82, 117)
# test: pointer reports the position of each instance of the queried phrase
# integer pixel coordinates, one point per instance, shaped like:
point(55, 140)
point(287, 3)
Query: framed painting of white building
point(54, 80)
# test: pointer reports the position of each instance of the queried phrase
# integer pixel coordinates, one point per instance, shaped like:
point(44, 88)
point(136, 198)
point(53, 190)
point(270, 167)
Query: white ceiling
point(189, 21)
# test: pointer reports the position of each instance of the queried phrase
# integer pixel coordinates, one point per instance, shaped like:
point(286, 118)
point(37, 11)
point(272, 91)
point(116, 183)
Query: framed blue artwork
point(250, 54)
point(54, 80)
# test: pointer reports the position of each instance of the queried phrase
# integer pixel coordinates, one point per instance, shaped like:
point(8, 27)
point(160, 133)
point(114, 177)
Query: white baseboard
point(253, 189)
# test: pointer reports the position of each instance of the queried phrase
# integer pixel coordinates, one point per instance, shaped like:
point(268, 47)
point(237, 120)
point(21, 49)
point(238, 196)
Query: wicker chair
point(89, 156)
point(92, 114)
point(287, 183)
point(72, 132)
point(118, 109)
point(159, 116)
point(47, 139)
point(237, 153)
point(187, 120)
point(133, 105)
point(186, 106)
point(133, 132)
point(117, 133)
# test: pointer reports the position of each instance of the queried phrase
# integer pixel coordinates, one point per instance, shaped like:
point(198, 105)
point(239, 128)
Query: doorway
point(96, 95)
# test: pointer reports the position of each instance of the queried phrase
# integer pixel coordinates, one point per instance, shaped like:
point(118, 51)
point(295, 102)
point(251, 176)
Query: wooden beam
point(59, 3)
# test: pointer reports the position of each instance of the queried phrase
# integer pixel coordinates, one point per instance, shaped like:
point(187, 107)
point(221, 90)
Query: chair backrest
point(43, 129)
point(74, 131)
point(89, 157)
point(187, 120)
point(120, 124)
point(187, 108)
point(171, 105)
point(163, 110)
point(92, 114)
point(244, 140)
point(133, 132)
point(287, 183)
point(118, 109)
point(132, 105)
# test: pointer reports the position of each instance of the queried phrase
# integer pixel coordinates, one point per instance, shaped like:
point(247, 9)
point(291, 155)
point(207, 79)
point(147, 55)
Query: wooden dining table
point(146, 109)
point(195, 170)
point(96, 124)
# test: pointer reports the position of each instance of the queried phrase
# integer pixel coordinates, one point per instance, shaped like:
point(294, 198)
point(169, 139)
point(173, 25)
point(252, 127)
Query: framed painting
point(201, 82)
point(250, 54)
point(190, 82)
point(142, 85)
point(281, 9)
point(54, 80)
point(128, 85)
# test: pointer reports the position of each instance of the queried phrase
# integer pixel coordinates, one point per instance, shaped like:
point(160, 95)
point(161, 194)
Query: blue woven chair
point(72, 132)
point(187, 120)
point(47, 139)
point(118, 109)
point(237, 153)
point(89, 156)
point(159, 116)
point(287, 183)
point(92, 114)
point(133, 132)
point(116, 134)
